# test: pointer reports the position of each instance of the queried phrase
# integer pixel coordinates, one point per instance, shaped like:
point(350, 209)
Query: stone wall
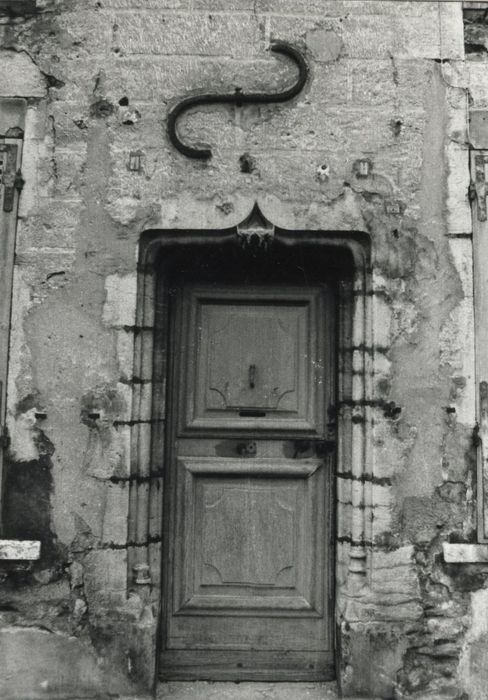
point(389, 84)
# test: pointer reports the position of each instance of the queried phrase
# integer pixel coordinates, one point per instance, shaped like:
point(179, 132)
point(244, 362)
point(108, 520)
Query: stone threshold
point(246, 690)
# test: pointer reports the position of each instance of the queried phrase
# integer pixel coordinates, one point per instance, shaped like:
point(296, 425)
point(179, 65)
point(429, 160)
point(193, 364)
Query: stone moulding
point(355, 421)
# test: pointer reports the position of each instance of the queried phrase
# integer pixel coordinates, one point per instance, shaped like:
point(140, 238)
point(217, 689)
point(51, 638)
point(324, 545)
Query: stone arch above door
point(356, 351)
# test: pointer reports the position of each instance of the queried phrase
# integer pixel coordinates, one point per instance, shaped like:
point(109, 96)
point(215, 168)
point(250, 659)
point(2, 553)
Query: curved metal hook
point(238, 98)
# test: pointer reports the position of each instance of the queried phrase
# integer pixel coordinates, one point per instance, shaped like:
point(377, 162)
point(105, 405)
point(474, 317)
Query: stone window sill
point(465, 553)
point(19, 550)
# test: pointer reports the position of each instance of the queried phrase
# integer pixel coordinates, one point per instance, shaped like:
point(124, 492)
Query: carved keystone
point(255, 232)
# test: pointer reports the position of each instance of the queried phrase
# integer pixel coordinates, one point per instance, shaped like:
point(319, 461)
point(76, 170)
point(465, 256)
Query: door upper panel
point(259, 361)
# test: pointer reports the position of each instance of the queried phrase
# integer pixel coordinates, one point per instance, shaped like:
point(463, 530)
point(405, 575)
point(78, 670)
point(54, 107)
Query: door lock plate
point(247, 449)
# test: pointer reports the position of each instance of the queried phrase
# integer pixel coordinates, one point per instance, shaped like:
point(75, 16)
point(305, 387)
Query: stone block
point(473, 671)
point(371, 37)
point(125, 353)
point(65, 173)
point(478, 128)
point(13, 113)
point(19, 549)
point(381, 496)
point(226, 6)
point(391, 450)
point(39, 664)
point(394, 573)
point(35, 233)
point(324, 8)
point(83, 33)
point(382, 522)
point(451, 30)
point(20, 77)
point(382, 313)
point(465, 553)
point(373, 655)
point(122, 448)
point(373, 82)
point(52, 226)
point(342, 8)
point(115, 515)
point(422, 516)
point(170, 77)
point(312, 33)
point(478, 84)
point(458, 179)
point(212, 35)
point(120, 303)
point(39, 263)
point(461, 250)
point(147, 4)
point(457, 352)
point(107, 453)
point(105, 578)
point(70, 121)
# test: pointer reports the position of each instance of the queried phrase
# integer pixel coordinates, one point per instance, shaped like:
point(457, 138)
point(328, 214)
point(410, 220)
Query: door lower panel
point(230, 665)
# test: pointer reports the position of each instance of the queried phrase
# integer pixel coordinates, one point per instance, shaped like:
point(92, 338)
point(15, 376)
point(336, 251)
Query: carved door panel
point(248, 554)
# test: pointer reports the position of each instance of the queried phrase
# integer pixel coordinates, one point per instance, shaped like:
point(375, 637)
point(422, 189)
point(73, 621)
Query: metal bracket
point(4, 437)
point(10, 177)
point(479, 185)
point(237, 98)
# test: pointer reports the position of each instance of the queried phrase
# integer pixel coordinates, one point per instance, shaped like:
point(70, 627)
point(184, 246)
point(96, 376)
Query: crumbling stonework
point(390, 85)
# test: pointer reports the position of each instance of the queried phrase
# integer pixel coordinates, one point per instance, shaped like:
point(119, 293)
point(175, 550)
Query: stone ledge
point(465, 553)
point(24, 550)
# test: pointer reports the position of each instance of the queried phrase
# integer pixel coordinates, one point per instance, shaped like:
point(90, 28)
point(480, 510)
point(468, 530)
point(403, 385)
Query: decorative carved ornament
point(255, 232)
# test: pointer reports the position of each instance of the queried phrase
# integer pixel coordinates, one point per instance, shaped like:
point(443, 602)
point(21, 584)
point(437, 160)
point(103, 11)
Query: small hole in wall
point(396, 233)
point(247, 163)
point(124, 101)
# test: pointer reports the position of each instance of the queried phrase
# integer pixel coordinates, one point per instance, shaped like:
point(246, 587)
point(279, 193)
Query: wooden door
point(249, 560)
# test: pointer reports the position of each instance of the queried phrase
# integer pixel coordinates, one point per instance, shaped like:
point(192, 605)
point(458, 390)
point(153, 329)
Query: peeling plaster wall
point(389, 83)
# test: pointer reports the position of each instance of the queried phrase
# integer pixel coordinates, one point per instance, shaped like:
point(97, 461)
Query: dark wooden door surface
point(248, 564)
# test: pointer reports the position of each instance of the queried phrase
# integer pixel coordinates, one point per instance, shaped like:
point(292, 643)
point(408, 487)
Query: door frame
point(355, 404)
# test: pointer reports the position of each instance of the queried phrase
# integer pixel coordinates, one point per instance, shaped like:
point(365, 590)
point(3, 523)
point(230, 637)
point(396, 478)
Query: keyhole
point(252, 376)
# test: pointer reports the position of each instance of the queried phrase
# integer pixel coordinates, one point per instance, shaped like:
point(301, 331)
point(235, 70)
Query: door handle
point(252, 376)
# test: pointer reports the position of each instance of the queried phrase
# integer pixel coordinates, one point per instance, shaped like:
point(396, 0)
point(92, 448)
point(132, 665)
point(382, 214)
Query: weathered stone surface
point(465, 553)
point(387, 86)
point(19, 549)
point(40, 664)
point(247, 691)
point(20, 76)
point(378, 654)
point(478, 128)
